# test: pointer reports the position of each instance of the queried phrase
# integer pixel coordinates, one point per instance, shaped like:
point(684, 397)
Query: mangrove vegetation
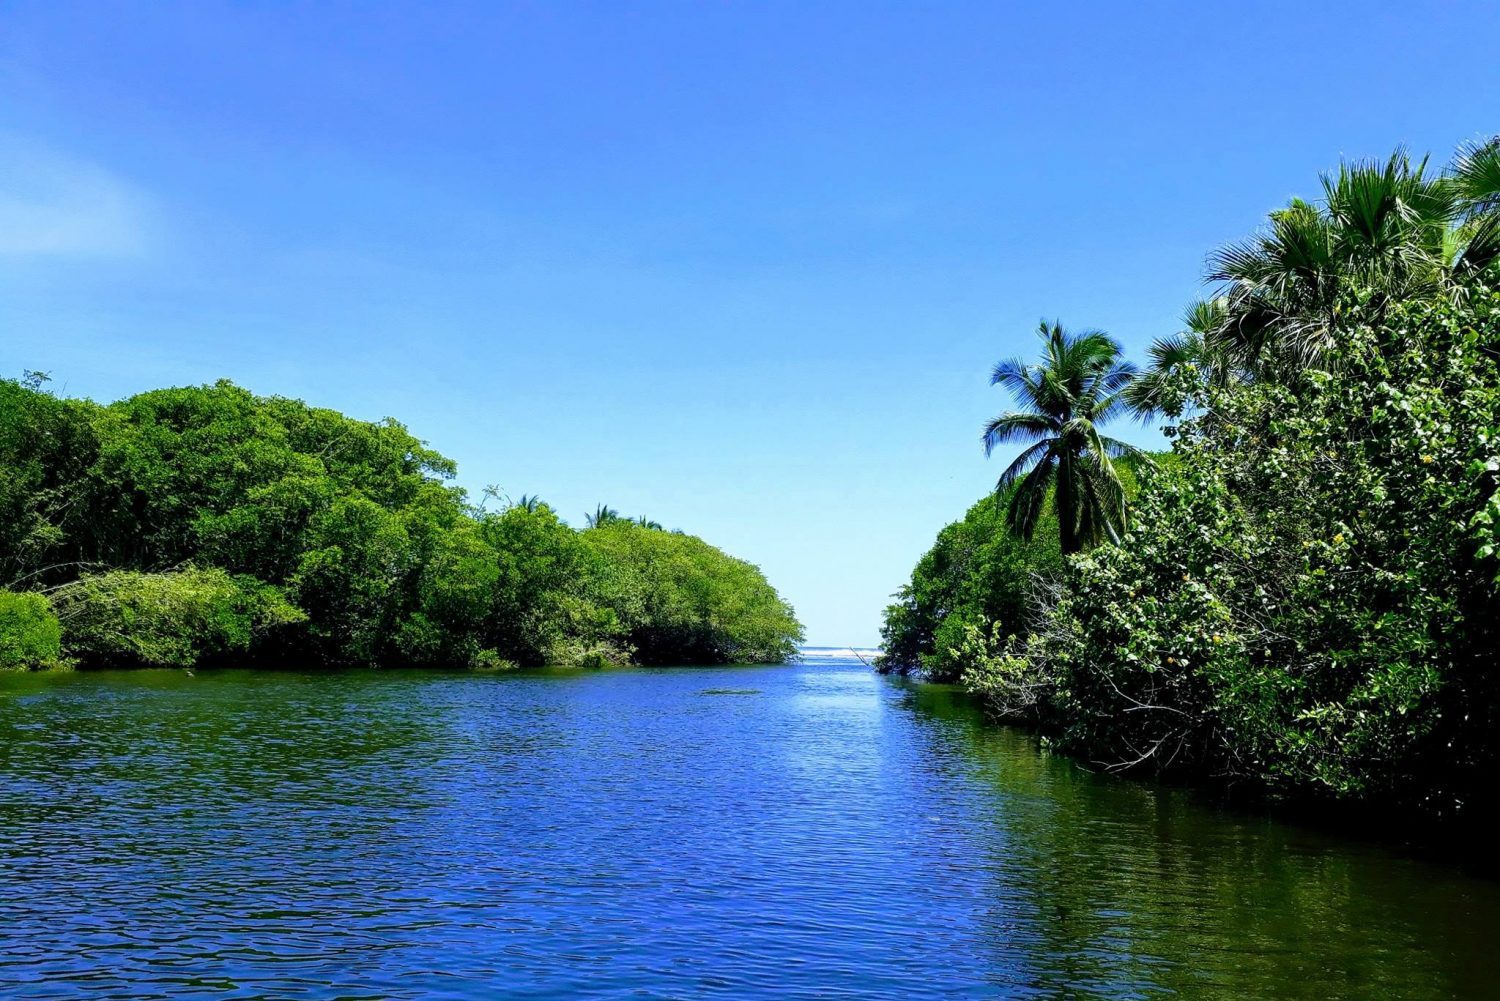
point(208, 525)
point(1301, 597)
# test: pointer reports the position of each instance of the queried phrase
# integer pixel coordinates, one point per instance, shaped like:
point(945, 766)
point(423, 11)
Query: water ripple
point(807, 832)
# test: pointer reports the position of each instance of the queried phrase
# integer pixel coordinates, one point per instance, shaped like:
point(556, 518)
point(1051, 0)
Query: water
point(801, 832)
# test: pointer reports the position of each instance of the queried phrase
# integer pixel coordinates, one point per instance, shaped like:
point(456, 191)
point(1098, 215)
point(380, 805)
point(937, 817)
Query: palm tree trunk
point(1067, 506)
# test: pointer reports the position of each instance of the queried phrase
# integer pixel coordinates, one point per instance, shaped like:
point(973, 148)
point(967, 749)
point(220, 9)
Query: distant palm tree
point(530, 503)
point(603, 515)
point(1077, 387)
point(1192, 353)
point(645, 522)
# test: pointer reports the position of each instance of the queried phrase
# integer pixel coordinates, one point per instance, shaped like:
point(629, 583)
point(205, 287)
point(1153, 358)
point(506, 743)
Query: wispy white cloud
point(57, 205)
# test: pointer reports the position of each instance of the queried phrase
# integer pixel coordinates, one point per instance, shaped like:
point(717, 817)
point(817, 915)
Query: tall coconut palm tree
point(1078, 386)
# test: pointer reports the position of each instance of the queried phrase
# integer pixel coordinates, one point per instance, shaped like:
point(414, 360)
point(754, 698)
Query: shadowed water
point(793, 832)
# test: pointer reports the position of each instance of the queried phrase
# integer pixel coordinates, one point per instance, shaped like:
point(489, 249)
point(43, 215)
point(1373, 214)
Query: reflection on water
point(811, 831)
point(1135, 890)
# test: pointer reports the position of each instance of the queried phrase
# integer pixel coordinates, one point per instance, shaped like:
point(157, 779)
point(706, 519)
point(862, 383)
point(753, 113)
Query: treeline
point(1304, 598)
point(209, 525)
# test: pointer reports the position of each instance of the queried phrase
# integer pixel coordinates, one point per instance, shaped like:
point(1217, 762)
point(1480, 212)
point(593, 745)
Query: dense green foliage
point(1384, 233)
point(206, 523)
point(1069, 483)
point(1307, 597)
point(679, 600)
point(125, 618)
point(1302, 600)
point(977, 573)
point(30, 635)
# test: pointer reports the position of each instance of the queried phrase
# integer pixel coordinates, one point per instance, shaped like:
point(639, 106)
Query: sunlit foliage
point(207, 523)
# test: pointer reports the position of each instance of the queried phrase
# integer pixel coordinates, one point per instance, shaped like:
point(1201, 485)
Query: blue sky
point(741, 267)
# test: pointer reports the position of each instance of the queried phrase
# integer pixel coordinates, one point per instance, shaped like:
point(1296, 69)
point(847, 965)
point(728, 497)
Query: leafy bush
point(977, 575)
point(127, 619)
point(47, 445)
point(30, 636)
point(553, 596)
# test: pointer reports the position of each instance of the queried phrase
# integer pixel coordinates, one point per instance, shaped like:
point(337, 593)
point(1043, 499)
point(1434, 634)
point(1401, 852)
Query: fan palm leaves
point(1078, 385)
point(1391, 229)
point(1381, 226)
point(1475, 177)
point(1192, 353)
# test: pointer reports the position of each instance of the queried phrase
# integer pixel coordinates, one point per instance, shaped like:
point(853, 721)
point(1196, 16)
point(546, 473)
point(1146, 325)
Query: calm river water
point(811, 831)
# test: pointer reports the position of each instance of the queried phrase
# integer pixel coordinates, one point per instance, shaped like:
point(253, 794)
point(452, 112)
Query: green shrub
point(977, 575)
point(490, 662)
point(550, 589)
point(30, 636)
point(126, 619)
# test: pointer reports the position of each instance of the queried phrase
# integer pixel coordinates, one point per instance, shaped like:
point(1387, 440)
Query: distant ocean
point(837, 654)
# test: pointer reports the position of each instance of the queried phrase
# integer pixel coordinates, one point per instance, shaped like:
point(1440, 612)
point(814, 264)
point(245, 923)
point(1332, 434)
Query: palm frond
point(1476, 176)
point(1023, 464)
point(1115, 405)
point(1016, 426)
point(1117, 449)
point(1480, 239)
point(1203, 316)
point(603, 515)
point(1113, 379)
point(1024, 383)
point(1104, 509)
point(1026, 504)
